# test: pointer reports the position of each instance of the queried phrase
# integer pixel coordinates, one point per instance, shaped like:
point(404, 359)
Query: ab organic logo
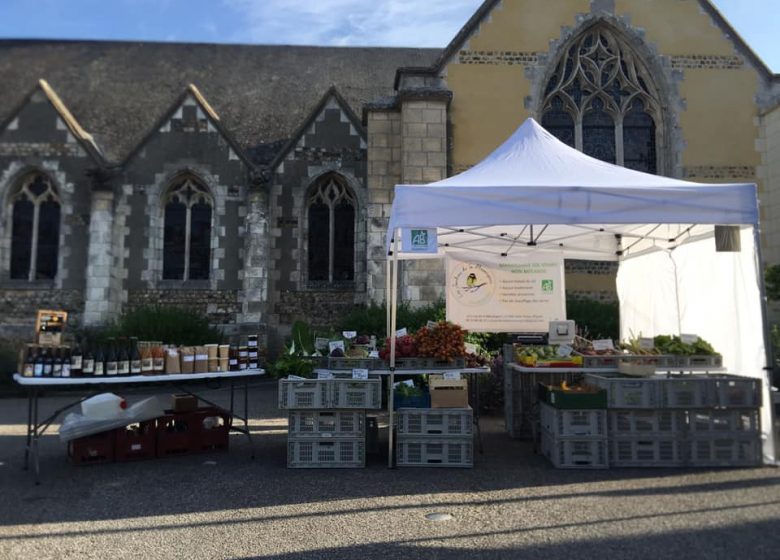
point(419, 239)
point(547, 286)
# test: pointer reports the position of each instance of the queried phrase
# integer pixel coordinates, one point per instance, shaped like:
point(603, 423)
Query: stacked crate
point(573, 428)
point(435, 437)
point(683, 420)
point(327, 420)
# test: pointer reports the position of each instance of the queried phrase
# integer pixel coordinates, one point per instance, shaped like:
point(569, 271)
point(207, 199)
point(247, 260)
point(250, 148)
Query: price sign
point(333, 344)
point(373, 354)
point(349, 335)
point(451, 375)
point(564, 350)
point(432, 324)
point(689, 338)
point(604, 344)
point(400, 332)
point(471, 348)
point(359, 373)
point(324, 375)
point(646, 343)
point(320, 343)
point(407, 382)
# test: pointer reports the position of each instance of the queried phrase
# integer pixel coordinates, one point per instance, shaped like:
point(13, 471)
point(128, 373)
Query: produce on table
point(404, 390)
point(444, 342)
point(544, 356)
point(674, 345)
point(477, 360)
point(405, 347)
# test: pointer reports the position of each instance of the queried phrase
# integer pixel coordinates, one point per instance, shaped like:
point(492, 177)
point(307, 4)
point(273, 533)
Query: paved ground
point(511, 505)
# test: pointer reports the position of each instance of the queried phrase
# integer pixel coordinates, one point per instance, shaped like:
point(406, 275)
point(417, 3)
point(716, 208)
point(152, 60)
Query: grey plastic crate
point(575, 453)
point(327, 423)
point(738, 392)
point(648, 451)
point(623, 392)
point(309, 453)
point(568, 423)
point(639, 422)
point(688, 391)
point(356, 393)
point(725, 450)
point(728, 421)
point(355, 363)
point(434, 452)
point(435, 422)
point(305, 393)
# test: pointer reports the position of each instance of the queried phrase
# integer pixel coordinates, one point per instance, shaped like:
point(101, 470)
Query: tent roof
point(533, 179)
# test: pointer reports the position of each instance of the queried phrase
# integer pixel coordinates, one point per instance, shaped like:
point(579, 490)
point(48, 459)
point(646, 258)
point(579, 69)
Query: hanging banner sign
point(504, 295)
point(419, 240)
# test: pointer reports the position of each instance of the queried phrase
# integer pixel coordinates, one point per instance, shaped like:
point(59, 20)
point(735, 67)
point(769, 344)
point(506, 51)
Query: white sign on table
point(689, 338)
point(324, 375)
point(359, 373)
point(646, 343)
point(349, 335)
point(564, 350)
point(603, 344)
point(333, 344)
point(400, 332)
point(451, 375)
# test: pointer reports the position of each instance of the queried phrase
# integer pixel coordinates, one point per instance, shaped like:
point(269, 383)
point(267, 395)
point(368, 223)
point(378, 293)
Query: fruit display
point(585, 347)
point(405, 347)
point(544, 356)
point(675, 346)
point(445, 341)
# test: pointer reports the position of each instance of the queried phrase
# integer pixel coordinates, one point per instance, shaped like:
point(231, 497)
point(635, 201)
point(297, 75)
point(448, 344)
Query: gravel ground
point(511, 505)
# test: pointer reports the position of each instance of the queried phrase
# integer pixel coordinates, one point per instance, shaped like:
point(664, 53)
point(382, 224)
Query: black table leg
point(246, 416)
point(29, 429)
point(35, 450)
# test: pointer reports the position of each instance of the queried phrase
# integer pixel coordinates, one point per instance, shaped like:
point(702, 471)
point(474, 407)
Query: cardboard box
point(448, 393)
point(184, 403)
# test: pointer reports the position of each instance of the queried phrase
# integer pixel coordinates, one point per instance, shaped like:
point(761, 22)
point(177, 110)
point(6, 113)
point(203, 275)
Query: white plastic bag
point(77, 425)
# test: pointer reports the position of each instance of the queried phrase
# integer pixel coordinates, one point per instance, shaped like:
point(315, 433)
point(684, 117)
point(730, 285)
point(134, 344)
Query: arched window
point(187, 237)
point(35, 229)
point(331, 237)
point(599, 101)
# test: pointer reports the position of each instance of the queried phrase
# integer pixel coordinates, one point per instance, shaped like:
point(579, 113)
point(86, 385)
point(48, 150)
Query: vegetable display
point(445, 341)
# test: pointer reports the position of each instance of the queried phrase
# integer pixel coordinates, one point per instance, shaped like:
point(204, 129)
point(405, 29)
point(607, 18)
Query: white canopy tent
point(535, 193)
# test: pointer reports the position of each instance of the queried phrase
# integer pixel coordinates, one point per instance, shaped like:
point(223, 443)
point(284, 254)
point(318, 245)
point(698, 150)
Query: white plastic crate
point(327, 423)
point(687, 391)
point(434, 452)
point(435, 421)
point(628, 393)
point(304, 393)
point(575, 453)
point(356, 393)
point(727, 450)
point(638, 422)
point(724, 421)
point(309, 453)
point(573, 423)
point(738, 392)
point(655, 451)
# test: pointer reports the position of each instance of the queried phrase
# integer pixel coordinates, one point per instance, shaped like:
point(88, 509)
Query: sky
point(407, 23)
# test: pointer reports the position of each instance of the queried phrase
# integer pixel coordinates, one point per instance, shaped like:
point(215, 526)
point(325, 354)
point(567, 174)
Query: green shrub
point(594, 319)
point(372, 319)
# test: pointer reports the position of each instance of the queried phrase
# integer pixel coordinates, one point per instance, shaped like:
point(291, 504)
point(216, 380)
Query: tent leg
point(387, 293)
point(393, 328)
point(767, 381)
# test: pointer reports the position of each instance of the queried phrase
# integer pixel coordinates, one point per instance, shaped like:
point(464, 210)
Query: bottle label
point(56, 370)
point(111, 368)
point(147, 364)
point(47, 368)
point(189, 358)
point(29, 370)
point(38, 370)
point(159, 364)
point(201, 357)
point(135, 366)
point(99, 368)
point(233, 362)
point(251, 342)
point(252, 365)
point(123, 368)
point(253, 354)
point(88, 367)
point(66, 369)
point(75, 362)
point(242, 365)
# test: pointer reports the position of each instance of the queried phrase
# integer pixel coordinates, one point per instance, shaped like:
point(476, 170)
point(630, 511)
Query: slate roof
point(118, 91)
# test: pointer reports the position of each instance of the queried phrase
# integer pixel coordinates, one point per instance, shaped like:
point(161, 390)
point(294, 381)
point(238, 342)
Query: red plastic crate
point(93, 450)
point(177, 434)
point(212, 429)
point(137, 441)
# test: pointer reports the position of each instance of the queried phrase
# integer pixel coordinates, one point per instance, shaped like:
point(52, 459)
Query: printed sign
point(320, 343)
point(689, 338)
point(419, 240)
point(373, 354)
point(349, 335)
point(451, 375)
point(400, 332)
point(359, 373)
point(333, 344)
point(604, 344)
point(646, 343)
point(470, 348)
point(324, 374)
point(506, 296)
point(564, 350)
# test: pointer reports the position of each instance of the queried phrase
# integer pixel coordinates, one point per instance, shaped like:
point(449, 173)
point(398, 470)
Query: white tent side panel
point(714, 295)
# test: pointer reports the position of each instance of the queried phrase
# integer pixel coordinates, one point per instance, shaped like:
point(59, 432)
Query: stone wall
point(220, 306)
point(20, 308)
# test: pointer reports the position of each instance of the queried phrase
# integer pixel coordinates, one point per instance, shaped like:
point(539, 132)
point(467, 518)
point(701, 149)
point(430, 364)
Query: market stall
point(534, 197)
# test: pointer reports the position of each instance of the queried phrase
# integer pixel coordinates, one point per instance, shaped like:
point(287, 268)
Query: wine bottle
point(111, 359)
point(76, 359)
point(88, 362)
point(135, 357)
point(66, 361)
point(123, 359)
point(48, 363)
point(147, 363)
point(56, 363)
point(28, 369)
point(100, 361)
point(38, 364)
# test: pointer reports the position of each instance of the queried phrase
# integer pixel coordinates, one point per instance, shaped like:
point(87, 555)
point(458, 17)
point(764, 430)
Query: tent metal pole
point(393, 328)
point(387, 294)
point(767, 380)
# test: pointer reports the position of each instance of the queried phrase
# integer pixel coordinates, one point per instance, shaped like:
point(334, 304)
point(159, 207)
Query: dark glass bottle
point(123, 358)
point(111, 359)
point(76, 358)
point(28, 369)
point(66, 357)
point(233, 358)
point(48, 363)
point(135, 357)
point(100, 361)
point(87, 362)
point(38, 362)
point(56, 363)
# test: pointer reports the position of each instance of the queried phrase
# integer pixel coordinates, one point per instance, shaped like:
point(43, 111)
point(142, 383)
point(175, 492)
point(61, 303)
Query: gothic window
point(331, 235)
point(599, 102)
point(187, 236)
point(35, 230)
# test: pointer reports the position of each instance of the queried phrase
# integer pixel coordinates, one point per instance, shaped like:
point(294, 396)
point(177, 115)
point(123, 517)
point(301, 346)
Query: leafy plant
point(290, 363)
point(772, 282)
point(372, 319)
point(598, 319)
